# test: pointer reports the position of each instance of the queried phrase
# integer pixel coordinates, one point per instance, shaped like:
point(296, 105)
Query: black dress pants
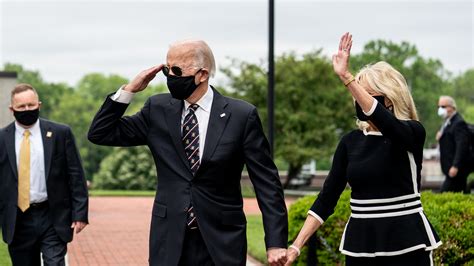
point(34, 233)
point(194, 251)
point(457, 183)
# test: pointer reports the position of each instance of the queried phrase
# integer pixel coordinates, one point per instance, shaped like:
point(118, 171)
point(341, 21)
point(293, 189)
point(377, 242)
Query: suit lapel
point(10, 145)
point(217, 123)
point(173, 119)
point(48, 137)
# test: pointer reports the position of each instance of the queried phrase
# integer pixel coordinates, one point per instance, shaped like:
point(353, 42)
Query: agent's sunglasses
point(177, 71)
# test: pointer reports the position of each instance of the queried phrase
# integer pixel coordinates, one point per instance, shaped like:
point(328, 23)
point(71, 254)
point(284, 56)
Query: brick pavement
point(118, 234)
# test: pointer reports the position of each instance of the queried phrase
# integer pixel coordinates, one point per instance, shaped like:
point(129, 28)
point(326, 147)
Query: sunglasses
point(177, 71)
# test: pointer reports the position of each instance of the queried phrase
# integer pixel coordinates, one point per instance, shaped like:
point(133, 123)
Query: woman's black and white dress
point(383, 169)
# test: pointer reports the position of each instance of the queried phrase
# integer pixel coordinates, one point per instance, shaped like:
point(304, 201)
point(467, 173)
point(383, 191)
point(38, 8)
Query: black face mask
point(181, 87)
point(26, 118)
point(360, 114)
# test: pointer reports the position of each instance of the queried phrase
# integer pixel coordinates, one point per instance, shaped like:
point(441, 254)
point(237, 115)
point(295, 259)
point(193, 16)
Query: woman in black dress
point(381, 161)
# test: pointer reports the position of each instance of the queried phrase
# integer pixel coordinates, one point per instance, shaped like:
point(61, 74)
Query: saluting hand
point(140, 82)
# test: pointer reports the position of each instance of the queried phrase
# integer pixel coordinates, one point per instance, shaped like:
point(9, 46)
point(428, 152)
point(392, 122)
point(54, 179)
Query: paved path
point(118, 234)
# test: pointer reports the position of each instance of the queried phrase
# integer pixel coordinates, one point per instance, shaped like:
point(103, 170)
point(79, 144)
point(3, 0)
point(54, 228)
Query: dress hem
point(390, 253)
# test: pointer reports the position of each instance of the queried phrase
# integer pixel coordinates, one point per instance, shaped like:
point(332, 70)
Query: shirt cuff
point(122, 96)
point(312, 213)
point(372, 109)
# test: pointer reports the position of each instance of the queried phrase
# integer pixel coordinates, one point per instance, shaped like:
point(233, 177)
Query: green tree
point(98, 86)
point(312, 106)
point(78, 112)
point(127, 168)
point(463, 93)
point(50, 93)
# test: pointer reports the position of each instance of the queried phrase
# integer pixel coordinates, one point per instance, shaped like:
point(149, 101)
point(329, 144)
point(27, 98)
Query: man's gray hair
point(450, 100)
point(202, 52)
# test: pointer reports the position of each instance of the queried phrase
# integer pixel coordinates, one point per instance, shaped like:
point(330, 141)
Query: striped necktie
point(191, 148)
point(191, 138)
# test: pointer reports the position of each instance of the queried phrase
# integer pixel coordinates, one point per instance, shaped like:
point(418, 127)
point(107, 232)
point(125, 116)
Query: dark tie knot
point(194, 107)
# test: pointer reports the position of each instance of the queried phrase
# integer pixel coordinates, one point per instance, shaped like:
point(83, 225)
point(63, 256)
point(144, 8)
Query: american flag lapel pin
point(223, 114)
point(49, 134)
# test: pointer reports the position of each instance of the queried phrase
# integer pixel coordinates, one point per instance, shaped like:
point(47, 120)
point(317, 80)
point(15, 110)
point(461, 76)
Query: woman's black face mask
point(360, 114)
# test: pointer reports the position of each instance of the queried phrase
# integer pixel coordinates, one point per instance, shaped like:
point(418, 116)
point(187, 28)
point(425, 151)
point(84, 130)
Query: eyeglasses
point(177, 71)
point(444, 106)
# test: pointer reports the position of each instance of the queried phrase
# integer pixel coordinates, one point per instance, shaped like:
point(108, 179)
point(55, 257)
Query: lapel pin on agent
point(222, 115)
point(49, 134)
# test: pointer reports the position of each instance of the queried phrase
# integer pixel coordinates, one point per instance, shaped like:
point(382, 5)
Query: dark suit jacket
point(65, 181)
point(234, 138)
point(454, 145)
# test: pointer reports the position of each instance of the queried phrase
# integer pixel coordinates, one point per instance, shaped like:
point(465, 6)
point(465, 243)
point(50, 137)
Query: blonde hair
point(202, 53)
point(383, 79)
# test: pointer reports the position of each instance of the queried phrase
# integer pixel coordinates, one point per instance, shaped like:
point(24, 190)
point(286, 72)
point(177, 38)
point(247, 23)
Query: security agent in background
point(43, 193)
point(454, 142)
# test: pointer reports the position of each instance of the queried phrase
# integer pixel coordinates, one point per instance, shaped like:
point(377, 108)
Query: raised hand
point(141, 81)
point(340, 61)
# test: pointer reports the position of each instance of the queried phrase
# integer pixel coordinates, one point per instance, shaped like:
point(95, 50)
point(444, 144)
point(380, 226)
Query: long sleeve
point(111, 129)
point(77, 180)
point(335, 183)
point(264, 176)
point(409, 134)
point(462, 143)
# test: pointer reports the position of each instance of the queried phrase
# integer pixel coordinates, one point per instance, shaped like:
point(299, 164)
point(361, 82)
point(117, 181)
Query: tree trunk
point(292, 173)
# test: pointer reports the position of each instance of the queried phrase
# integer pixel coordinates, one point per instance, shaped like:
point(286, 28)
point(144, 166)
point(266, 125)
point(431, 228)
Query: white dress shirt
point(38, 191)
point(202, 113)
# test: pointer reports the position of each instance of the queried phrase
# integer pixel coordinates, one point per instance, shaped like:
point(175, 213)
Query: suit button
point(186, 209)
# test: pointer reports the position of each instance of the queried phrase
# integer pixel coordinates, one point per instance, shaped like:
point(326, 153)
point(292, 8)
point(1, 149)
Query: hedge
point(451, 214)
point(129, 168)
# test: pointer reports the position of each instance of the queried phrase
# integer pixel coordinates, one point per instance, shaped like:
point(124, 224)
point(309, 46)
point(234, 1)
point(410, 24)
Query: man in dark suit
point(43, 194)
point(454, 143)
point(200, 141)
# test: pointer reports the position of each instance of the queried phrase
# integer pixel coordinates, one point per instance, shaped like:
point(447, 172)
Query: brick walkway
point(118, 234)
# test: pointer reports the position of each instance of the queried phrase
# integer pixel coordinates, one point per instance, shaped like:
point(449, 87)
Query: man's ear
point(204, 75)
point(39, 105)
point(11, 108)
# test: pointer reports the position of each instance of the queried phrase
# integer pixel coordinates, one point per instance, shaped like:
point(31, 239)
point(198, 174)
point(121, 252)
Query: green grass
point(121, 193)
point(255, 238)
point(4, 256)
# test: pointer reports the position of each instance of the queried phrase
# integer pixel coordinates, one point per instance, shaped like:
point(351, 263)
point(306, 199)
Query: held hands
point(78, 226)
point(291, 255)
point(276, 256)
point(140, 82)
point(340, 61)
point(453, 171)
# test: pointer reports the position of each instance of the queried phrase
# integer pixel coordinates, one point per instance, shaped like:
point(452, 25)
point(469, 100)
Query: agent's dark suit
point(234, 138)
point(454, 147)
point(65, 181)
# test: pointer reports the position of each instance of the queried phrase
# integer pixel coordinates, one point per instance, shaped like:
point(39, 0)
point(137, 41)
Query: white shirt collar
point(205, 102)
point(374, 133)
point(35, 129)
